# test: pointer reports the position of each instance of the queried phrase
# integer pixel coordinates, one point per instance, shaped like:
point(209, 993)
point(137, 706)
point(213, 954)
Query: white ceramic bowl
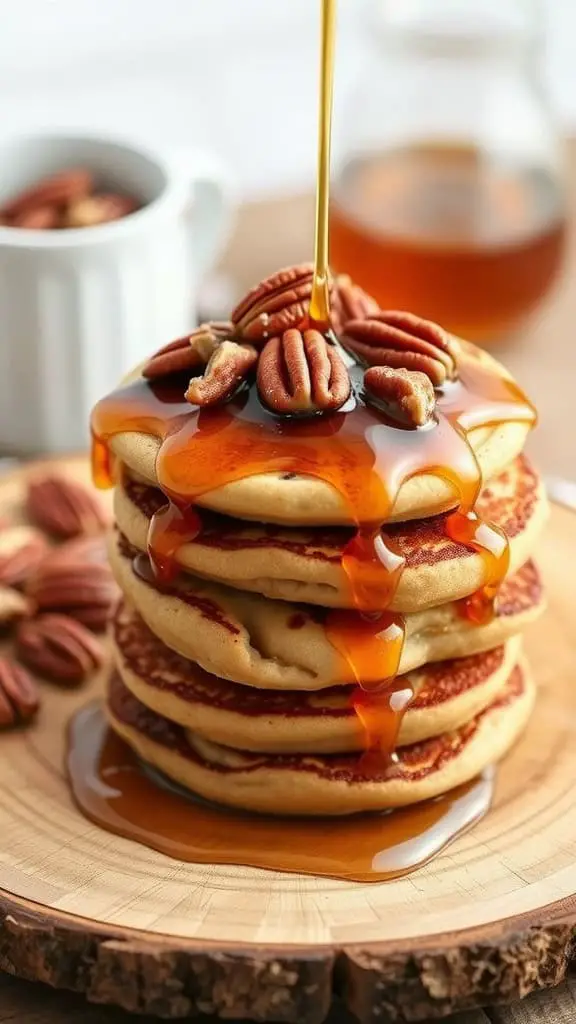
point(79, 306)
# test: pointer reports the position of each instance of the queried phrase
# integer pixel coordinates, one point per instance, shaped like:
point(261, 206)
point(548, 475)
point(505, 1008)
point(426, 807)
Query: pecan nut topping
point(277, 303)
point(350, 302)
point(403, 341)
point(84, 590)
point(19, 697)
point(301, 372)
point(407, 393)
point(64, 508)
point(100, 208)
point(228, 366)
point(188, 353)
point(58, 647)
point(22, 549)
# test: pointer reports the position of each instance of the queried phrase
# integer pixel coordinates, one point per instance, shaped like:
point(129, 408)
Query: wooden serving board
point(491, 919)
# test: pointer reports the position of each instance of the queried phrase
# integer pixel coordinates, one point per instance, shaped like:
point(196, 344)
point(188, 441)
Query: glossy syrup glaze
point(364, 455)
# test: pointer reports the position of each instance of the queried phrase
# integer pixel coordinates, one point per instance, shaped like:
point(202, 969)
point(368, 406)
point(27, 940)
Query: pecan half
point(84, 590)
point(19, 697)
point(98, 209)
point(407, 393)
point(58, 647)
point(228, 366)
point(277, 303)
point(350, 302)
point(55, 190)
point(301, 372)
point(64, 508)
point(403, 341)
point(22, 549)
point(188, 353)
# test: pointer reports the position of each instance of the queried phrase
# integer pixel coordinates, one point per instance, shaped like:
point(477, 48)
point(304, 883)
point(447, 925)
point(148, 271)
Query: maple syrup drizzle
point(113, 790)
point(170, 528)
point(372, 644)
point(365, 456)
point(466, 527)
point(380, 712)
point(320, 299)
point(102, 463)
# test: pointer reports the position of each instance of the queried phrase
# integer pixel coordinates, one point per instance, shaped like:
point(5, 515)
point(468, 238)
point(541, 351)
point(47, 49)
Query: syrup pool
point(113, 789)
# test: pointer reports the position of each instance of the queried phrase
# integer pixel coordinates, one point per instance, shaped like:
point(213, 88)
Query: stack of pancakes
point(227, 680)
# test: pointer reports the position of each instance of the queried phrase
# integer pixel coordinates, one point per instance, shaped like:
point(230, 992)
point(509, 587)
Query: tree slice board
point(490, 920)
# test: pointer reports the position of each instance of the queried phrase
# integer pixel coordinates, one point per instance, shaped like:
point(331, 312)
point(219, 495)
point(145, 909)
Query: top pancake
point(292, 498)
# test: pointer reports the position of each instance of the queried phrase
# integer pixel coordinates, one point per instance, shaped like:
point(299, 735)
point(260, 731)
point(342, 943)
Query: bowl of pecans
point(101, 245)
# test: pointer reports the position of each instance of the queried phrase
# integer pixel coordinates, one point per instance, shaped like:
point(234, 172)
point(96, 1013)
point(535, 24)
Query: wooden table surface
point(543, 357)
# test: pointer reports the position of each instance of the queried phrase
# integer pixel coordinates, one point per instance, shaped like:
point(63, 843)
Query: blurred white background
point(238, 76)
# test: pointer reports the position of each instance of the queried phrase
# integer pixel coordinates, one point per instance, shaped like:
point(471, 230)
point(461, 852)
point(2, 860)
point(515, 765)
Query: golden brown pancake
point(329, 784)
point(306, 565)
point(446, 696)
point(294, 499)
point(283, 646)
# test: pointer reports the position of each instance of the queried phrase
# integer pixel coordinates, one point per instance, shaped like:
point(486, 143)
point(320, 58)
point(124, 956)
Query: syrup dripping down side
point(363, 455)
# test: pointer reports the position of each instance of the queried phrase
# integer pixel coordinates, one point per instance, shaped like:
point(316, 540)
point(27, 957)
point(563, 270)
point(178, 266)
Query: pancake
point(446, 696)
point(279, 645)
point(294, 499)
point(306, 565)
point(329, 784)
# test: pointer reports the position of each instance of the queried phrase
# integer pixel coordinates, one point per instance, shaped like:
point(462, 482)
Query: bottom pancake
point(323, 785)
point(446, 695)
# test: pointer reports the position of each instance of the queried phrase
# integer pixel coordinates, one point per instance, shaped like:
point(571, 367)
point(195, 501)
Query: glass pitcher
point(448, 196)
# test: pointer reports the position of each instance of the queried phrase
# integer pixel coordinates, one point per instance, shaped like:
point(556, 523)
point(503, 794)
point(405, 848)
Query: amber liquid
point(112, 789)
point(320, 298)
point(442, 232)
